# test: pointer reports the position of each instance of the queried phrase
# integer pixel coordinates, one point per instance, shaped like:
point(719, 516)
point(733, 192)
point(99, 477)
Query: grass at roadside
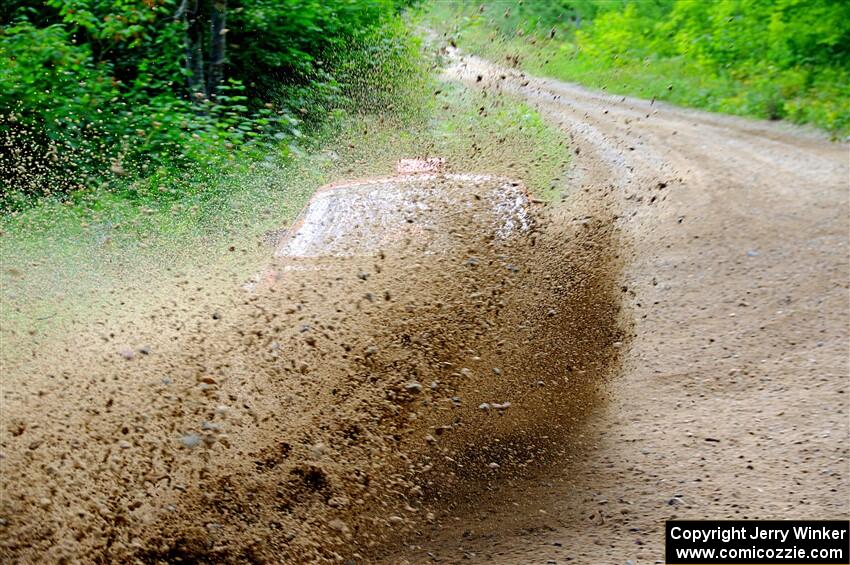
point(66, 264)
point(819, 95)
point(476, 132)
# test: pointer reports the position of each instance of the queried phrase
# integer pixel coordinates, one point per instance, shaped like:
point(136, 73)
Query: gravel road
point(733, 401)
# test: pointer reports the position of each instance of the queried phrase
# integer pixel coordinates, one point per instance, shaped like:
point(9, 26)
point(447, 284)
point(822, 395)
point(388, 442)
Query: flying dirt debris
point(445, 337)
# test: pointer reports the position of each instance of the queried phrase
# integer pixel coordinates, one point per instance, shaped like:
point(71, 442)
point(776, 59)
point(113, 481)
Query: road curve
point(734, 398)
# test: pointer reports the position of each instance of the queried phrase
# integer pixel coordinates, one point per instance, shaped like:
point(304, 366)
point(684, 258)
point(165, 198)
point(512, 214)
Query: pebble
point(318, 450)
point(191, 440)
point(413, 386)
point(339, 526)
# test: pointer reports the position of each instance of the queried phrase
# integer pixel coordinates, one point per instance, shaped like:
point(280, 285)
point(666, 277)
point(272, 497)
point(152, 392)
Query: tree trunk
point(218, 42)
point(189, 11)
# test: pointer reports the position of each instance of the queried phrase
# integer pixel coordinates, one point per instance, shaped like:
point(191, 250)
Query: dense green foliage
point(98, 92)
point(775, 59)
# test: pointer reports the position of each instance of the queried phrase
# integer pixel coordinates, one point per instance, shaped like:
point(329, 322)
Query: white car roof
point(362, 217)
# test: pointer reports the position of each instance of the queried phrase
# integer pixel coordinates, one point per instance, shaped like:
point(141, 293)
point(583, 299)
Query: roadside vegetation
point(771, 59)
point(135, 97)
point(109, 223)
point(137, 137)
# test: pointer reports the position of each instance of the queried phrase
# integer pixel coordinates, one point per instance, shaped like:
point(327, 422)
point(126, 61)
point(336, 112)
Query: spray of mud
point(326, 417)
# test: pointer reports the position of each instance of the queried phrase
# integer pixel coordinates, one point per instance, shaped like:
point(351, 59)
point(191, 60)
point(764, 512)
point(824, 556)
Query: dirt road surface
point(733, 401)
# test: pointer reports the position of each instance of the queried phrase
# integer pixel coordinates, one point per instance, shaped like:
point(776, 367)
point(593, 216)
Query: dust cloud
point(325, 417)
